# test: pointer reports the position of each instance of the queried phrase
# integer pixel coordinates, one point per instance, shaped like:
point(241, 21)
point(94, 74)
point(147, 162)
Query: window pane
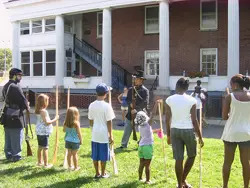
point(37, 56)
point(37, 69)
point(152, 12)
point(50, 55)
point(25, 57)
point(152, 63)
point(26, 69)
point(99, 18)
point(24, 25)
point(37, 23)
point(208, 7)
point(50, 28)
point(69, 71)
point(50, 69)
point(50, 22)
point(99, 30)
point(69, 53)
point(37, 30)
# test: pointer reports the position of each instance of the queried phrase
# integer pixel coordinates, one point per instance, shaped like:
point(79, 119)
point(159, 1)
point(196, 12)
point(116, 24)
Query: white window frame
point(145, 62)
point(33, 63)
point(21, 29)
point(25, 63)
point(145, 20)
point(49, 25)
point(216, 13)
point(216, 53)
point(45, 56)
point(42, 20)
point(97, 24)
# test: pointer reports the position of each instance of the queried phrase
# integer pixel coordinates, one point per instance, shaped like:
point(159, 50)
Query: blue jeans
point(127, 132)
point(13, 143)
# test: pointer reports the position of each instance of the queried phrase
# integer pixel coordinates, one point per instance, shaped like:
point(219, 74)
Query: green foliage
point(25, 173)
point(8, 58)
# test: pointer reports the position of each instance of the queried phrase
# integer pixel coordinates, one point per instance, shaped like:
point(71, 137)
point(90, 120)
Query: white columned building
point(107, 47)
point(164, 58)
point(15, 45)
point(60, 54)
point(233, 54)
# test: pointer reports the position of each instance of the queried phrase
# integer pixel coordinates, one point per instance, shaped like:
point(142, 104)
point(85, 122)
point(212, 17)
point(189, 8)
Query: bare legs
point(103, 168)
point(181, 174)
point(42, 156)
point(73, 154)
point(144, 163)
point(229, 152)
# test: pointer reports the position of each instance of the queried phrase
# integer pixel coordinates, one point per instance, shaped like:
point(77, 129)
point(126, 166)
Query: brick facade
point(129, 41)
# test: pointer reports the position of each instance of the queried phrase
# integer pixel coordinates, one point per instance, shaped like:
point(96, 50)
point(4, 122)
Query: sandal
point(186, 185)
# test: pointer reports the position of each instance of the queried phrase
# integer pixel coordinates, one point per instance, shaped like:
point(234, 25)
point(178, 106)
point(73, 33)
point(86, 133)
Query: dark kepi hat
point(139, 74)
point(15, 71)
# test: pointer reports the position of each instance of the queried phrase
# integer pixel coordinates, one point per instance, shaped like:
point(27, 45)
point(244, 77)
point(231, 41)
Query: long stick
point(65, 163)
point(57, 133)
point(200, 158)
point(112, 153)
point(162, 140)
point(27, 137)
point(132, 115)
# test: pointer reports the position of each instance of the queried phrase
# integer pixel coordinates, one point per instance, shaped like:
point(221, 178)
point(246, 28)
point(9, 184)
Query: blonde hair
point(72, 117)
point(42, 102)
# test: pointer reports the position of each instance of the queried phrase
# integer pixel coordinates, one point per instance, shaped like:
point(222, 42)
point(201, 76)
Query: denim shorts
point(181, 138)
point(72, 145)
point(43, 141)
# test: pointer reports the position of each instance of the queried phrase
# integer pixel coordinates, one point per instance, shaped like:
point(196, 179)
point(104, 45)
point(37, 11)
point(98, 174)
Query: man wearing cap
point(16, 103)
point(141, 97)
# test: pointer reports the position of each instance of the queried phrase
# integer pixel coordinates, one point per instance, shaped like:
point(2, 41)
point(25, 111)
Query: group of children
point(100, 117)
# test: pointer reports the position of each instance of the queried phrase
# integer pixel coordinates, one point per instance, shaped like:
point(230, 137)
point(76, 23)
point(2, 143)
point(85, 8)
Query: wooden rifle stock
point(133, 106)
point(27, 138)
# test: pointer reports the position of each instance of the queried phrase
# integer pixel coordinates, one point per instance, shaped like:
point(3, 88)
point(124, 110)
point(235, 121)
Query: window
point(152, 19)
point(69, 69)
point(24, 28)
point(69, 53)
point(50, 62)
point(50, 25)
point(25, 63)
point(209, 61)
point(99, 24)
point(208, 17)
point(152, 63)
point(67, 26)
point(37, 26)
point(37, 63)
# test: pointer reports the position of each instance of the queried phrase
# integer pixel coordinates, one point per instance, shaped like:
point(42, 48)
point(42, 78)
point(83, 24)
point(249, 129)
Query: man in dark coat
point(141, 95)
point(13, 125)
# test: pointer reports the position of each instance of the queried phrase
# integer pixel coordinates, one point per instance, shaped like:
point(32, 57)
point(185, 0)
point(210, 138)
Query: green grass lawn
point(25, 173)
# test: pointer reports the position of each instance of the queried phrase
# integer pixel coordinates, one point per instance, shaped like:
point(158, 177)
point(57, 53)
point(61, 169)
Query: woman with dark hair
point(181, 121)
point(236, 110)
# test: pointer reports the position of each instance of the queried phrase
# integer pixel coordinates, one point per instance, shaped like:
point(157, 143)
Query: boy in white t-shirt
point(100, 117)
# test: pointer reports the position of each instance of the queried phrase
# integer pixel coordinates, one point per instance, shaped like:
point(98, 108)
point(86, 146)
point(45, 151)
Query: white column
point(15, 45)
point(60, 52)
point(233, 54)
point(164, 45)
point(106, 46)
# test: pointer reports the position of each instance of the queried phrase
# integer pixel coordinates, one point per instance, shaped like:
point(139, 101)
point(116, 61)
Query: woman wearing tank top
point(236, 110)
point(181, 121)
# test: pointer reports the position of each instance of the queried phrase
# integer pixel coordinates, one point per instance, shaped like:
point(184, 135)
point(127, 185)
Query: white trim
point(21, 29)
point(145, 22)
point(25, 63)
point(97, 25)
point(145, 63)
point(45, 61)
point(41, 50)
point(216, 51)
point(216, 13)
point(40, 19)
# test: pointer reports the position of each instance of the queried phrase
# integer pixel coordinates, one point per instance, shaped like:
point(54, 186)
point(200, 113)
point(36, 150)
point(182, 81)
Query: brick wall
point(129, 41)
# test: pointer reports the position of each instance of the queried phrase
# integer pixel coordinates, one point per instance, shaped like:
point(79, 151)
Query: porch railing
point(94, 58)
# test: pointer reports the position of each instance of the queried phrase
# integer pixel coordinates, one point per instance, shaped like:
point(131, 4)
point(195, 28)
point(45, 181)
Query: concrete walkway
point(210, 131)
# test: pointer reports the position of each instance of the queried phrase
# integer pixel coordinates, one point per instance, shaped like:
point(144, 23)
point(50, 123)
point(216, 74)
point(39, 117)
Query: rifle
point(133, 106)
point(28, 125)
point(112, 153)
point(57, 133)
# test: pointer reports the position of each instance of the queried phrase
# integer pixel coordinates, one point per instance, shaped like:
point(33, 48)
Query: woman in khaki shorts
point(181, 122)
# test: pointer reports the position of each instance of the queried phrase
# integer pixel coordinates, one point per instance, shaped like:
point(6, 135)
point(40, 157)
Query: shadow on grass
point(118, 150)
point(127, 185)
point(12, 171)
point(88, 155)
point(71, 183)
point(43, 173)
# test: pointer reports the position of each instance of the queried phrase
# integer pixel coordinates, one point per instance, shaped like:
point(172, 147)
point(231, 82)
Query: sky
point(5, 25)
